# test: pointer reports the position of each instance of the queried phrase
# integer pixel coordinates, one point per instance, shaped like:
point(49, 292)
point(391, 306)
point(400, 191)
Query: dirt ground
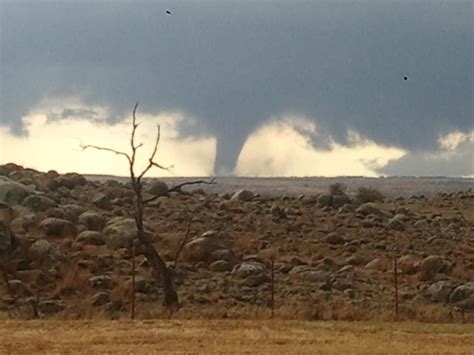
point(232, 336)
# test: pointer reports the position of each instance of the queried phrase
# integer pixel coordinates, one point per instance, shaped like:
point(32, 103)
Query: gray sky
point(233, 65)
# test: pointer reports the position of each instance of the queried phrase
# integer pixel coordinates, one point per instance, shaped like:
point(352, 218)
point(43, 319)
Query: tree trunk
point(160, 271)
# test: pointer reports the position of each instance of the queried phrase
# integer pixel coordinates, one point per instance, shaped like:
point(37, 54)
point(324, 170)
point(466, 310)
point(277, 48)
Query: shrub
point(337, 189)
point(365, 194)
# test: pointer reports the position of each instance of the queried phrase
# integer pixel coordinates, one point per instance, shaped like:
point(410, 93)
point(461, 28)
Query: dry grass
point(231, 336)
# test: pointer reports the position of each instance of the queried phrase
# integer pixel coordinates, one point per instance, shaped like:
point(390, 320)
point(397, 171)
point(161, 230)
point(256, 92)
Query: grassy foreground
point(231, 336)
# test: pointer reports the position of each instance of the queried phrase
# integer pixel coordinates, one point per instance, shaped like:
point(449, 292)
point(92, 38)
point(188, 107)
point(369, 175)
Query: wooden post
point(272, 304)
point(395, 278)
point(132, 316)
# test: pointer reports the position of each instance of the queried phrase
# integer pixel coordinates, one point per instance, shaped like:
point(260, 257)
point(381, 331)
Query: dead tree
point(160, 271)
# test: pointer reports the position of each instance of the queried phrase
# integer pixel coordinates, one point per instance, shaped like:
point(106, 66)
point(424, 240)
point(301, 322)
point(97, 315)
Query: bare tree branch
point(84, 147)
point(179, 186)
point(182, 244)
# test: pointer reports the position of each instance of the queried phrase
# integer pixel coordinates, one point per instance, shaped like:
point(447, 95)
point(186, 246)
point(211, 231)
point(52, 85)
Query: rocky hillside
point(65, 251)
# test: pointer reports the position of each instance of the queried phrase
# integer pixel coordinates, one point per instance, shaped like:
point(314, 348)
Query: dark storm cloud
point(457, 163)
point(235, 64)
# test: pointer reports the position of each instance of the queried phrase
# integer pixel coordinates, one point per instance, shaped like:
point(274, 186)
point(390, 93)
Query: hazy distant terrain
point(391, 186)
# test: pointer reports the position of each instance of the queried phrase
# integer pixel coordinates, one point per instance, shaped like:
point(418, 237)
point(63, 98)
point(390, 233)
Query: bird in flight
point(405, 78)
point(168, 12)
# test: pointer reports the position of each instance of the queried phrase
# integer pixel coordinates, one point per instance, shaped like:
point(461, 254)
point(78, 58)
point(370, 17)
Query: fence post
point(132, 316)
point(273, 285)
point(395, 278)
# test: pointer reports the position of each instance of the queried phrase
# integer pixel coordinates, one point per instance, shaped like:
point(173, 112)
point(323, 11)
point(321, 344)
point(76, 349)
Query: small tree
point(160, 271)
point(337, 188)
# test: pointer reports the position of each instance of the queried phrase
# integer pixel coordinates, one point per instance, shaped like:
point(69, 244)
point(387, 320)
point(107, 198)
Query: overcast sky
point(234, 67)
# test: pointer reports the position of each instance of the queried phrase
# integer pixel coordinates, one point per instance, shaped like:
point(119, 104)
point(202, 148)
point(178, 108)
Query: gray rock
point(120, 232)
point(7, 214)
point(73, 211)
point(220, 266)
point(432, 265)
point(462, 293)
point(256, 280)
point(42, 251)
point(102, 201)
point(243, 195)
point(334, 238)
point(249, 268)
point(57, 227)
point(38, 202)
point(398, 222)
point(91, 237)
point(374, 264)
point(369, 208)
point(203, 248)
point(71, 180)
point(309, 273)
point(12, 192)
point(92, 220)
point(440, 291)
point(356, 260)
point(408, 264)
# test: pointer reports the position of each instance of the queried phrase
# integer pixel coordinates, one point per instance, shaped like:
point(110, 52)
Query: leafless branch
point(84, 147)
point(182, 244)
point(151, 163)
point(179, 186)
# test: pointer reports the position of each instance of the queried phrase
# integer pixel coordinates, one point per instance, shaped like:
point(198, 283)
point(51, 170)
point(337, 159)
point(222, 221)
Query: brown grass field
point(233, 336)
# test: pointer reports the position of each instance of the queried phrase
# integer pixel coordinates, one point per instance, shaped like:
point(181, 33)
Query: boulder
point(369, 208)
point(71, 180)
point(91, 237)
point(204, 247)
point(431, 265)
point(38, 203)
point(309, 273)
point(120, 232)
point(57, 227)
point(248, 268)
point(72, 211)
point(256, 280)
point(398, 221)
point(334, 238)
point(12, 192)
point(408, 264)
point(41, 250)
point(92, 220)
point(243, 195)
point(462, 292)
point(440, 291)
point(6, 214)
point(102, 201)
